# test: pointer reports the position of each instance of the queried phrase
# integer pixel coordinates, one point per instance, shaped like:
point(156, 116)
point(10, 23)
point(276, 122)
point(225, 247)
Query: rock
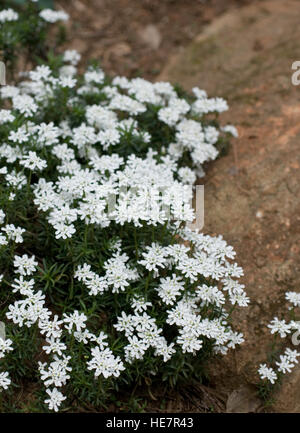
point(151, 36)
point(287, 399)
point(119, 50)
point(243, 400)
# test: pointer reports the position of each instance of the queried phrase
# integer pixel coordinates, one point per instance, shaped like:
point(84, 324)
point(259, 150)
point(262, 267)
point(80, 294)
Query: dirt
point(252, 194)
point(136, 37)
point(243, 51)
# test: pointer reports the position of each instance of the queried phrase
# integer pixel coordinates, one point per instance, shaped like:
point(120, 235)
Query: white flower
point(280, 327)
point(5, 346)
point(54, 374)
point(54, 346)
point(109, 137)
point(19, 136)
point(8, 15)
point(77, 319)
point(235, 339)
point(41, 72)
point(101, 117)
point(125, 103)
point(51, 328)
point(52, 16)
point(118, 275)
point(125, 323)
point(135, 349)
point(25, 265)
point(47, 134)
point(170, 288)
point(14, 233)
point(63, 230)
point(231, 130)
point(210, 295)
point(105, 363)
point(292, 355)
point(139, 304)
point(71, 56)
point(25, 104)
point(187, 175)
point(67, 81)
point(154, 257)
point(285, 365)
point(94, 76)
point(16, 180)
point(189, 342)
point(267, 373)
point(209, 105)
point(164, 350)
point(293, 298)
point(100, 340)
point(33, 162)
point(6, 115)
point(55, 399)
point(4, 381)
point(9, 91)
point(67, 71)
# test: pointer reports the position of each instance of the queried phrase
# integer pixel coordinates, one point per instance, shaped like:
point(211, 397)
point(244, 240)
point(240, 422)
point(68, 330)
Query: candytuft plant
point(103, 284)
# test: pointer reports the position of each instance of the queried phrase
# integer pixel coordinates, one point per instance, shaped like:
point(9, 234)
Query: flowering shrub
point(24, 29)
point(103, 285)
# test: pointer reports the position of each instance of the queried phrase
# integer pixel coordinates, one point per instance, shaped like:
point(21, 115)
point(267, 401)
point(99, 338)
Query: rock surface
point(151, 36)
point(252, 194)
point(243, 400)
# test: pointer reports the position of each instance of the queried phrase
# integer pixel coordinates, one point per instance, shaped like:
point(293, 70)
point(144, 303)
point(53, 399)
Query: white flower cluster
point(7, 15)
point(31, 310)
point(10, 232)
point(117, 276)
point(52, 16)
point(109, 192)
point(285, 365)
point(287, 361)
point(121, 110)
point(174, 291)
point(5, 346)
point(106, 172)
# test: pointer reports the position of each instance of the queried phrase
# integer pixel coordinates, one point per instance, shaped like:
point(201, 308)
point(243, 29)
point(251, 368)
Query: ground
point(136, 37)
point(243, 51)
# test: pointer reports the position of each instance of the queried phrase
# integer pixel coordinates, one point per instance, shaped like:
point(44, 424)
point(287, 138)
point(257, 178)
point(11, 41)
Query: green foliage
point(26, 39)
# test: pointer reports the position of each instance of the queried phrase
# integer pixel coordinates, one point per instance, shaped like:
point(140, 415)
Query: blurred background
point(137, 37)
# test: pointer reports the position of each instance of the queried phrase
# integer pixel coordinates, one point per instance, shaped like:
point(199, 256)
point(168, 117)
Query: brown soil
point(116, 32)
